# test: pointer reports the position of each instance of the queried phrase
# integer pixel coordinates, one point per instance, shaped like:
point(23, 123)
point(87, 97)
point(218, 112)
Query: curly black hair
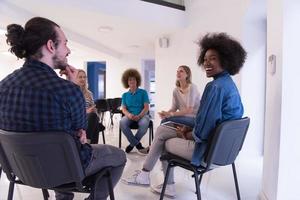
point(231, 53)
point(131, 73)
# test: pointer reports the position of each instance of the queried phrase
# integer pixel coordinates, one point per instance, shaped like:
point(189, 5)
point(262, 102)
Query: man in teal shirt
point(135, 106)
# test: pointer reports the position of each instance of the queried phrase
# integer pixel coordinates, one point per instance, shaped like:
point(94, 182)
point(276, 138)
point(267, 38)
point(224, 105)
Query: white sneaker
point(140, 177)
point(169, 192)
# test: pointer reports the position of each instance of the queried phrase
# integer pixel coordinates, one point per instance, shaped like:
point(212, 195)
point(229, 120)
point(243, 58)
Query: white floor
point(216, 185)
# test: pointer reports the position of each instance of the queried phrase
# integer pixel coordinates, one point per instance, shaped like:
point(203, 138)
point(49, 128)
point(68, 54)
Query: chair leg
point(11, 190)
point(102, 117)
point(45, 194)
point(200, 179)
point(150, 135)
point(236, 182)
point(110, 186)
point(165, 182)
point(120, 137)
point(197, 184)
point(111, 119)
point(0, 171)
point(103, 137)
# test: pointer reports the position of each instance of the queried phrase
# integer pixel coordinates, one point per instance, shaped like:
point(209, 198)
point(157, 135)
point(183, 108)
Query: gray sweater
point(183, 101)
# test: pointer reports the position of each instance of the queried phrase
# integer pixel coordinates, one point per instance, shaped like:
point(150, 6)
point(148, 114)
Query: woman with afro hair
point(220, 56)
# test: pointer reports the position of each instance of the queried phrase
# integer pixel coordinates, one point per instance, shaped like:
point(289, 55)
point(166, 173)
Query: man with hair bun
point(33, 98)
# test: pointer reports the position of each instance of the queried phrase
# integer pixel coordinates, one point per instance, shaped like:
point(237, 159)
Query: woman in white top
point(186, 99)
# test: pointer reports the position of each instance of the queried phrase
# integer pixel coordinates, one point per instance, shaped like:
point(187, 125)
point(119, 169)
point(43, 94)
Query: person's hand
point(82, 136)
point(180, 131)
point(91, 109)
point(184, 132)
point(188, 135)
point(70, 72)
point(162, 114)
point(130, 116)
point(136, 117)
point(165, 114)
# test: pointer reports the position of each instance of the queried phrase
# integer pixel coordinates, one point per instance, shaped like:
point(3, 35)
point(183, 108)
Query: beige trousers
point(165, 139)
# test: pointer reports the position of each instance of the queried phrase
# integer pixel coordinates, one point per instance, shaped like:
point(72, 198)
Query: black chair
point(223, 148)
point(46, 160)
point(136, 126)
point(114, 108)
point(102, 129)
point(102, 107)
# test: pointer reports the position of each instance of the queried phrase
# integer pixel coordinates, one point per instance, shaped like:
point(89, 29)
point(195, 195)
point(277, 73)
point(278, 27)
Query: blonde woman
point(186, 99)
point(94, 126)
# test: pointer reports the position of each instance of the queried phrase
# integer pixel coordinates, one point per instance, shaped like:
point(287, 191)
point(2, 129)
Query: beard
point(59, 63)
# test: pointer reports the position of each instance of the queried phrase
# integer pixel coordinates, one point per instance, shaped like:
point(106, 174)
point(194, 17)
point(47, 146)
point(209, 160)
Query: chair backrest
point(40, 159)
point(117, 102)
point(102, 105)
point(114, 104)
point(110, 103)
point(227, 141)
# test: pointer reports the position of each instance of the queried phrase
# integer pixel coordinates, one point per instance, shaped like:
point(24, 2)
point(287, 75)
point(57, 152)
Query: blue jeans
point(143, 125)
point(188, 121)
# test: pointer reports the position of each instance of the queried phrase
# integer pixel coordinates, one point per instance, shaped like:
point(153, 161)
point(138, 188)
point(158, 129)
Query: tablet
point(172, 125)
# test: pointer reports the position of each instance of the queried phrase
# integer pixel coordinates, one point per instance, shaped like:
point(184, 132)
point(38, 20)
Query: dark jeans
point(94, 126)
point(102, 156)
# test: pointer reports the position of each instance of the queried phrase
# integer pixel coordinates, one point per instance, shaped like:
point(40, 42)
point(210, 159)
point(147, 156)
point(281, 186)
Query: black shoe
point(101, 127)
point(128, 149)
point(139, 146)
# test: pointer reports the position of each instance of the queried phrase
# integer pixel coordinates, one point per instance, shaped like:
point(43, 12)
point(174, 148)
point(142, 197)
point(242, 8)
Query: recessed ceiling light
point(105, 29)
point(2, 31)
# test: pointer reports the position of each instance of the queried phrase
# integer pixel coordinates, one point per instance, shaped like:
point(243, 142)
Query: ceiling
point(113, 27)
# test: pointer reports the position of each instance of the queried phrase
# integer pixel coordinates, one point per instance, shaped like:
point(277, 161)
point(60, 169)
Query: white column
point(281, 175)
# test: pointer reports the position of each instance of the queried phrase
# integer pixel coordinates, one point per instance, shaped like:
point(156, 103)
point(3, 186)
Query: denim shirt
point(220, 102)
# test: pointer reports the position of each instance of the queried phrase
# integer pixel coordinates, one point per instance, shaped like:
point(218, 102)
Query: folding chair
point(136, 126)
point(46, 160)
point(223, 148)
point(102, 107)
point(114, 108)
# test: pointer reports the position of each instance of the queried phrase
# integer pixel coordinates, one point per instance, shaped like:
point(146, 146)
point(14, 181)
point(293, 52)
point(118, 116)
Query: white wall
point(289, 157)
point(8, 64)
point(273, 102)
point(253, 75)
point(282, 158)
point(114, 71)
